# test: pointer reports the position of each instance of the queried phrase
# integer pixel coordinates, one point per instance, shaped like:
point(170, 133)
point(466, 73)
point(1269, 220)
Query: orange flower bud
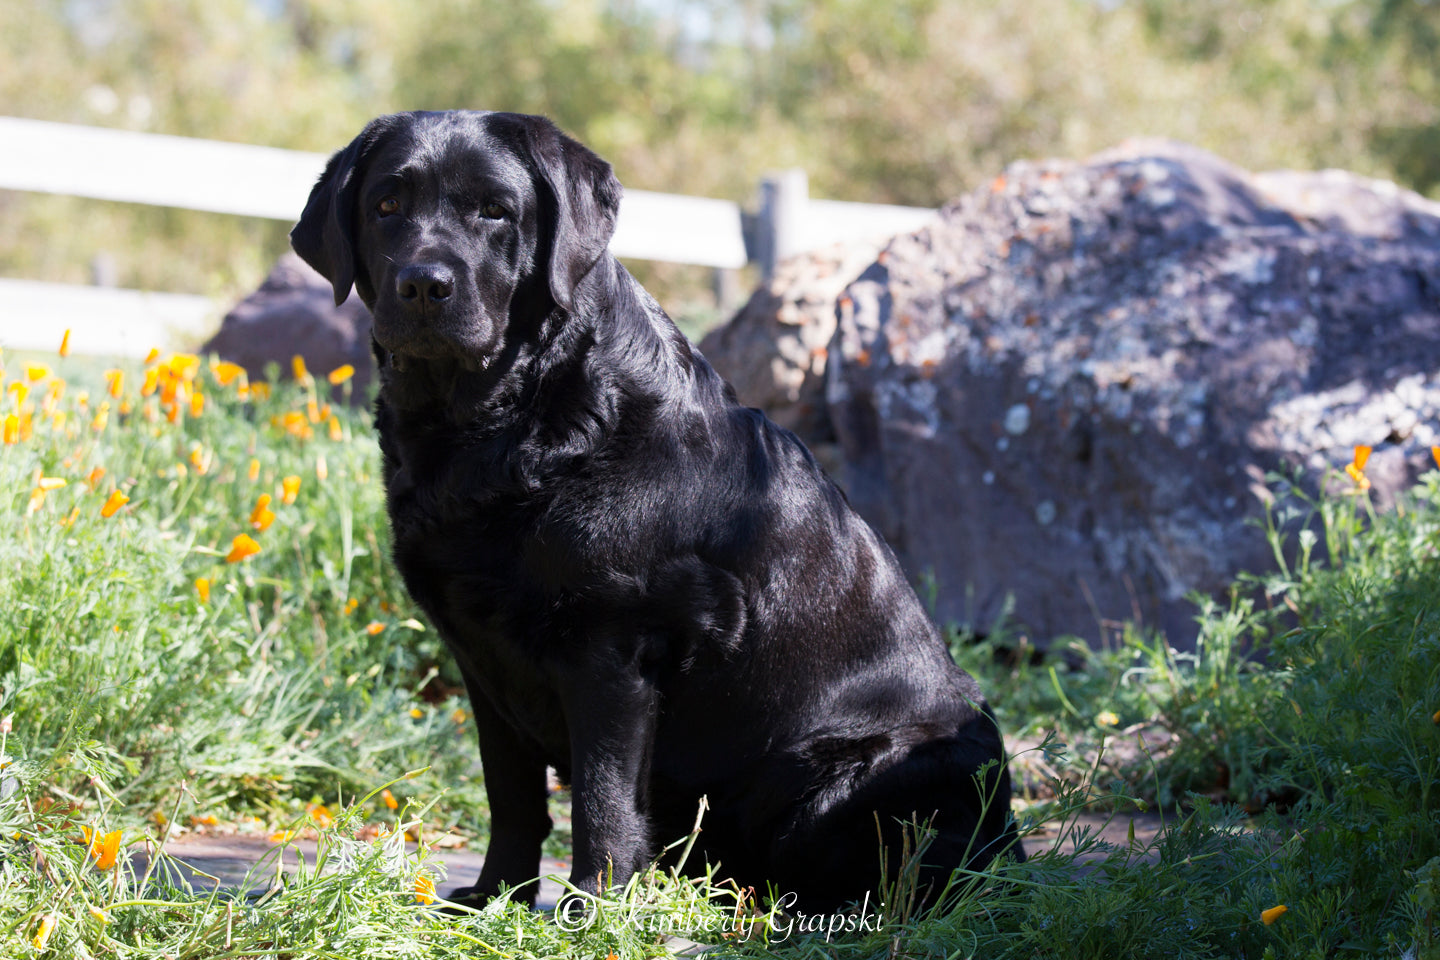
point(42, 935)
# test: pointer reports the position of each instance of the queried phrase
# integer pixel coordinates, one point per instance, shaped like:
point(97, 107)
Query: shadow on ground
point(251, 863)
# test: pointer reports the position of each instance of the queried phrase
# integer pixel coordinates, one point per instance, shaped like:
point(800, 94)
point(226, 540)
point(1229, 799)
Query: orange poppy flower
point(113, 504)
point(65, 343)
point(262, 516)
point(294, 423)
point(1268, 917)
point(226, 372)
point(241, 547)
point(1356, 467)
point(297, 367)
point(320, 814)
point(183, 366)
point(290, 487)
point(202, 587)
point(12, 428)
point(104, 849)
point(389, 799)
point(340, 374)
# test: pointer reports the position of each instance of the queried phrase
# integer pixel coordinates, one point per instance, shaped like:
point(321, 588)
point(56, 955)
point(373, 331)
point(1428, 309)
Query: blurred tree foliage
point(905, 101)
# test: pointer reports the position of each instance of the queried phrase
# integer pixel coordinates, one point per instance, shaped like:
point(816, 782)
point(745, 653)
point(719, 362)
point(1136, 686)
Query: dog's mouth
point(461, 338)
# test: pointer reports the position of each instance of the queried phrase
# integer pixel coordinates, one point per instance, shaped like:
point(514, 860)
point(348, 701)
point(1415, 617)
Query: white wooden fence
point(254, 181)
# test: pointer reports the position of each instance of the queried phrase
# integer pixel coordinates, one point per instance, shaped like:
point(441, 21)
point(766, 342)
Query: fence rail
point(247, 180)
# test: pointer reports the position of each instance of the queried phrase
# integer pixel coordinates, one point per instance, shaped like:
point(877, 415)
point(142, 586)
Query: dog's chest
point(459, 559)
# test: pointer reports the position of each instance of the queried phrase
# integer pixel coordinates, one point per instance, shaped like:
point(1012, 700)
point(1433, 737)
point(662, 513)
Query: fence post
point(725, 284)
point(784, 196)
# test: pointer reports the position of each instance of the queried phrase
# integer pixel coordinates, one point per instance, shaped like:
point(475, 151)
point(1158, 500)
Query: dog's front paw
point(476, 896)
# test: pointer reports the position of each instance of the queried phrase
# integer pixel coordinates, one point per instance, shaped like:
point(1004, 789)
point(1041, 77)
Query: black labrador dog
point(646, 585)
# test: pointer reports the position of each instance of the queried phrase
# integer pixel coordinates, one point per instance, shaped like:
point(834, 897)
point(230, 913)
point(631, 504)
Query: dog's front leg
point(516, 787)
point(611, 714)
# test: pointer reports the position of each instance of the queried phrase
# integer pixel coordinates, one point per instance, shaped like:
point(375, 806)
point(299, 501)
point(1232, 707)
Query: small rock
point(293, 312)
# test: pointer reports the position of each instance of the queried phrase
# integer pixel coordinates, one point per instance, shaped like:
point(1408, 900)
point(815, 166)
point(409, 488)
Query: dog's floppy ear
point(587, 201)
point(323, 235)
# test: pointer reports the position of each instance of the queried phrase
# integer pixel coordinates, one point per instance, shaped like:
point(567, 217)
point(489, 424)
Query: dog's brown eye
point(492, 211)
point(388, 206)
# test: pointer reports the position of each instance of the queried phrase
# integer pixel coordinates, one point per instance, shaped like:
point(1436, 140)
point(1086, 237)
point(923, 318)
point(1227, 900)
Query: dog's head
point(439, 219)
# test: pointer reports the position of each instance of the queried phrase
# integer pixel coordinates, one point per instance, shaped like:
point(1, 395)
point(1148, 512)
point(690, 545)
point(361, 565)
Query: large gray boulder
point(1069, 389)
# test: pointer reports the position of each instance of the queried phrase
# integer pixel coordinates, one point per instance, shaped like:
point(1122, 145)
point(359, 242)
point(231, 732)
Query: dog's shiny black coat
point(647, 586)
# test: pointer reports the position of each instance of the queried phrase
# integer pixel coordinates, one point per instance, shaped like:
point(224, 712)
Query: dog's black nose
point(425, 283)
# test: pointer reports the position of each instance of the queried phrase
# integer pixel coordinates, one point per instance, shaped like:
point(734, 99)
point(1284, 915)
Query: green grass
point(1306, 777)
